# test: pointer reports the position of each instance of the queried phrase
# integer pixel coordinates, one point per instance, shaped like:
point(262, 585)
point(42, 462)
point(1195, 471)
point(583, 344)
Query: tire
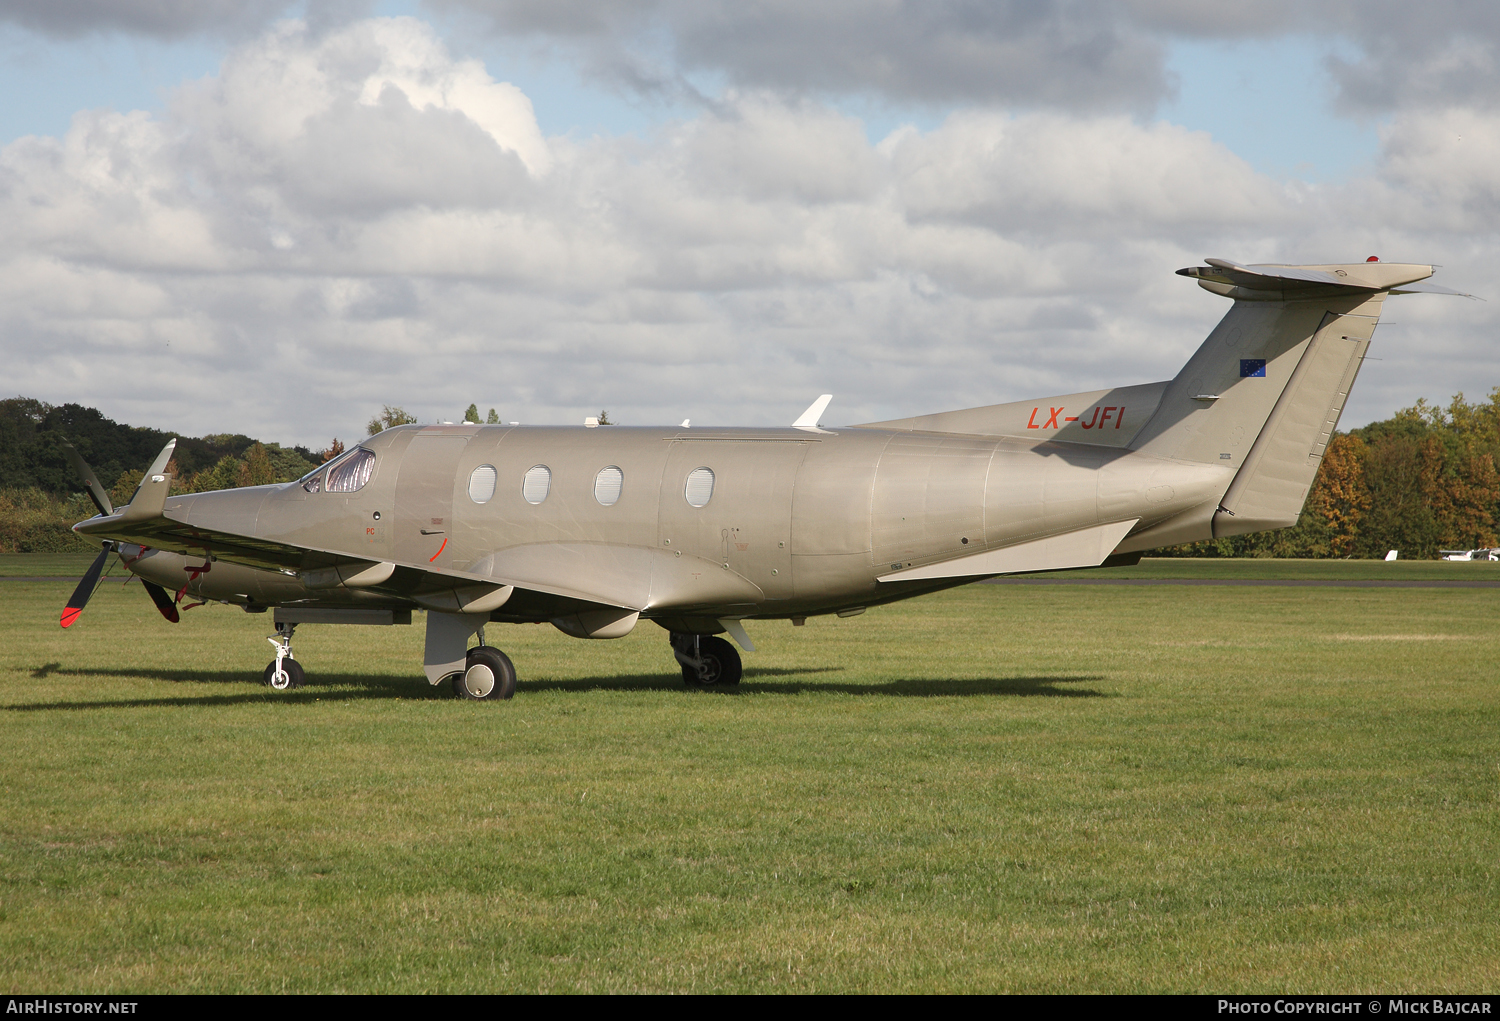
point(722, 668)
point(489, 676)
point(295, 678)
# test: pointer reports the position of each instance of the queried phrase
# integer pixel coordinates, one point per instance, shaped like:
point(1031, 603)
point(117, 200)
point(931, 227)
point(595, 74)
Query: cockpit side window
point(313, 480)
point(350, 474)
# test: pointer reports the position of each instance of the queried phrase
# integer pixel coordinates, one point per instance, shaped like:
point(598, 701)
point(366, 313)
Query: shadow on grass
point(348, 687)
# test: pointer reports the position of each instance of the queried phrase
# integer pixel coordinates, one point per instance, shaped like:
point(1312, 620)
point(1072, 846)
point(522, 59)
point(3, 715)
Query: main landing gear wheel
point(718, 663)
point(290, 676)
point(488, 675)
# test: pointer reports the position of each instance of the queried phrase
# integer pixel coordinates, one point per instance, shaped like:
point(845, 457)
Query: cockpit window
point(313, 480)
point(350, 474)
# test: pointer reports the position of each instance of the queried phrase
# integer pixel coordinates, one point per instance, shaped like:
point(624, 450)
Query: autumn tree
point(1340, 498)
point(389, 419)
point(256, 469)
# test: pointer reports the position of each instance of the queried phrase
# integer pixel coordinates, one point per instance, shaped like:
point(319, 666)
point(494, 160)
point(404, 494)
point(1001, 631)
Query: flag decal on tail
point(1252, 367)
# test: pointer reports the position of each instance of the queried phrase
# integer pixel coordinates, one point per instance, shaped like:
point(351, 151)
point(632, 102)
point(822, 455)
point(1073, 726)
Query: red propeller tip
point(69, 615)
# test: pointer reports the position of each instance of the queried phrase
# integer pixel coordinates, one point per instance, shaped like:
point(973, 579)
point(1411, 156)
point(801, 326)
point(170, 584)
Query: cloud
point(356, 217)
point(1090, 56)
point(1077, 54)
point(169, 19)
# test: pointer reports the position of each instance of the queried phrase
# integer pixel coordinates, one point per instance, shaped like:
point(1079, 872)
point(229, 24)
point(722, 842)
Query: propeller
point(96, 492)
point(100, 496)
point(162, 600)
point(85, 589)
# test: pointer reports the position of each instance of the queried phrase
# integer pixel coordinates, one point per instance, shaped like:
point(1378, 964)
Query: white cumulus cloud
point(343, 219)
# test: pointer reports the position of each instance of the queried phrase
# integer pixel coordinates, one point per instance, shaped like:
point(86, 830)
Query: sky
point(274, 219)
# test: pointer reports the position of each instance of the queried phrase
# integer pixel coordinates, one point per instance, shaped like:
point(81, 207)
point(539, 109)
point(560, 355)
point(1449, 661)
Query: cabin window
point(482, 483)
point(350, 474)
point(536, 484)
point(607, 485)
point(700, 486)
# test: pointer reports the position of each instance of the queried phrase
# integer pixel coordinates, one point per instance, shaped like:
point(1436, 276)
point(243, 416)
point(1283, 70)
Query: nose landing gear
point(284, 672)
point(707, 661)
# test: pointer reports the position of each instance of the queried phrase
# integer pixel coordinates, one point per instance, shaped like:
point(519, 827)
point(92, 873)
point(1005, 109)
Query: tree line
point(1420, 481)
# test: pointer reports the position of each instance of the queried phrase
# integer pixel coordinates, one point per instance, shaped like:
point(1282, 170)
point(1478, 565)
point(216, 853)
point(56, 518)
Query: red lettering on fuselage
point(1095, 421)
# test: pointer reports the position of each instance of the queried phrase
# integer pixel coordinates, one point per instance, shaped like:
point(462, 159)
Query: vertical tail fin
point(1264, 392)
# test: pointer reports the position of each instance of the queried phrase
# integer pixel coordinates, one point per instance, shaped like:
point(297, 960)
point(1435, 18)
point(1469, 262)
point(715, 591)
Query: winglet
point(809, 418)
point(155, 473)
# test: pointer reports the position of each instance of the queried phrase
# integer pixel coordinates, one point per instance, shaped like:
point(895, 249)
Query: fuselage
point(676, 523)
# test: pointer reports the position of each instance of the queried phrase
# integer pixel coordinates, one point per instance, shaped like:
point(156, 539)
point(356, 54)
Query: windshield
point(349, 474)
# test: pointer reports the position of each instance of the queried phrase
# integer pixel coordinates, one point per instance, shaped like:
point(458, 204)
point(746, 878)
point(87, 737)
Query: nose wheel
point(488, 675)
point(707, 661)
point(283, 673)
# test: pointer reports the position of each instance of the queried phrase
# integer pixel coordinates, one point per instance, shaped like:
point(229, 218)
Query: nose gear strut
point(284, 672)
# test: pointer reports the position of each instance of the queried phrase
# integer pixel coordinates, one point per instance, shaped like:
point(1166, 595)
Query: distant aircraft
point(1470, 554)
point(700, 529)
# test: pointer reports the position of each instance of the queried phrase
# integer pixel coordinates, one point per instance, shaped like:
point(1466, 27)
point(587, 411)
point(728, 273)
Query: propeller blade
point(162, 600)
point(85, 589)
point(96, 492)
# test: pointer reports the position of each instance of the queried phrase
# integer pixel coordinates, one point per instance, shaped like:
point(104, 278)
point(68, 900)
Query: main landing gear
point(488, 674)
point(707, 661)
point(283, 672)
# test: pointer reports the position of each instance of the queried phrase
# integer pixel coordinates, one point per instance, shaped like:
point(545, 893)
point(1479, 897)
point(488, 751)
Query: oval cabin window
point(607, 485)
point(351, 474)
point(482, 483)
point(536, 484)
point(700, 486)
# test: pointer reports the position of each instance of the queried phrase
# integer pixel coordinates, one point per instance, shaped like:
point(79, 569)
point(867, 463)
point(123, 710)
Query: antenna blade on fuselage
point(809, 418)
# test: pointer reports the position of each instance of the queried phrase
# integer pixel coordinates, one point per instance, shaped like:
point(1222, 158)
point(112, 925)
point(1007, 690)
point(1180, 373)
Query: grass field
point(996, 788)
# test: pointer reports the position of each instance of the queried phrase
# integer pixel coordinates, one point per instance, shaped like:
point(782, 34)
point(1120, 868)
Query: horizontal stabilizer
point(1427, 287)
point(1086, 547)
point(1274, 282)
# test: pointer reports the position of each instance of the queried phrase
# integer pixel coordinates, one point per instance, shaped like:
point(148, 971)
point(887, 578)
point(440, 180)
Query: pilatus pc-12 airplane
point(697, 530)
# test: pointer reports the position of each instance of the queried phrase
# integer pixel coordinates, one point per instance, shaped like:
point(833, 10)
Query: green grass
point(994, 788)
point(46, 565)
point(1271, 569)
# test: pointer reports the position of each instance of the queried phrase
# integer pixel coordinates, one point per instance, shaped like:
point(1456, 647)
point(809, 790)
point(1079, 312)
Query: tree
point(604, 418)
point(334, 450)
point(257, 469)
point(389, 419)
point(126, 485)
point(493, 419)
point(472, 415)
point(1340, 497)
